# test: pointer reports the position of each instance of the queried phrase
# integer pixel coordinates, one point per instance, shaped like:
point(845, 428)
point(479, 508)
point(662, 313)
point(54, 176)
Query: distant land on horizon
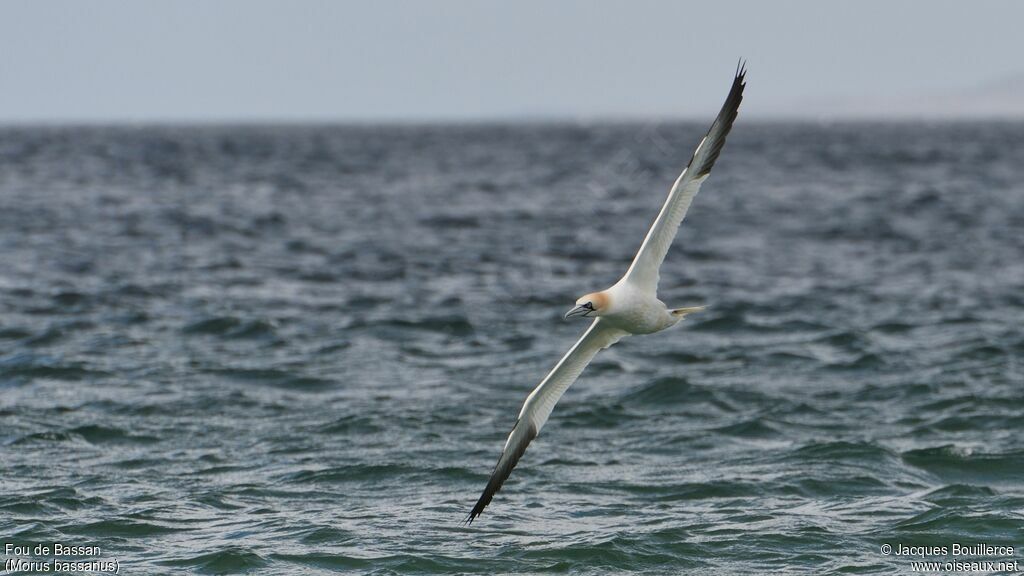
point(999, 99)
point(1002, 98)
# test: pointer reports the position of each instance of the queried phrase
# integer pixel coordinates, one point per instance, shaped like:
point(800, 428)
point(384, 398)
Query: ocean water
point(298, 350)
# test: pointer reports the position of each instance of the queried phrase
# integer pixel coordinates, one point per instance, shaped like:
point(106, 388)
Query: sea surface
point(299, 349)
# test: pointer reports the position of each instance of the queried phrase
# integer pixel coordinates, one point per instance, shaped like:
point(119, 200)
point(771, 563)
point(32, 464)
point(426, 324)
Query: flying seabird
point(631, 306)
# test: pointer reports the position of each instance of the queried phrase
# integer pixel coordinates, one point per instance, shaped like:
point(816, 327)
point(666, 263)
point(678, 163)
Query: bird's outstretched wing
point(541, 401)
point(643, 273)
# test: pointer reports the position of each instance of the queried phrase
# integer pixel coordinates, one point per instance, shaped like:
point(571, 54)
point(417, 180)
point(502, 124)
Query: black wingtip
point(504, 467)
point(482, 503)
point(721, 126)
point(474, 513)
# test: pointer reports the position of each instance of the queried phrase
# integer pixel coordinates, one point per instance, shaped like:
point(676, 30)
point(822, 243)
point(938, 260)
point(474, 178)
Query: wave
point(25, 367)
point(230, 559)
point(275, 377)
point(231, 327)
point(960, 463)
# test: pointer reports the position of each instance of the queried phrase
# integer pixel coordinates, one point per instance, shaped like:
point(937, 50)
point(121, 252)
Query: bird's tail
point(681, 312)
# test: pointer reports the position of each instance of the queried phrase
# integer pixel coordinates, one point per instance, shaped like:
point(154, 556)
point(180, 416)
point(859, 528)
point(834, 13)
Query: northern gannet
point(631, 306)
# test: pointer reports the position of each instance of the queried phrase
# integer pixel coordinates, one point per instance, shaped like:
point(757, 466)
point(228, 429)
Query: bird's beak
point(578, 311)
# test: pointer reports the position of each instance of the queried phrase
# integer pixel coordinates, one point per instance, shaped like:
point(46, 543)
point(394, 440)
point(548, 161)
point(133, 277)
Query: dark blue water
point(298, 350)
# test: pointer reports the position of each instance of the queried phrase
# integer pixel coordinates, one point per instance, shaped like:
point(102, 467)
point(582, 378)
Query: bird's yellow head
point(593, 304)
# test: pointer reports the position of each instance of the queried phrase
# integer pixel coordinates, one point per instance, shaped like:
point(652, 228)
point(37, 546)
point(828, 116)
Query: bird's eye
point(589, 305)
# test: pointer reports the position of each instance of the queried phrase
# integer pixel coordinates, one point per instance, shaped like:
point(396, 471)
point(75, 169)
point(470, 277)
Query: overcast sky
point(252, 60)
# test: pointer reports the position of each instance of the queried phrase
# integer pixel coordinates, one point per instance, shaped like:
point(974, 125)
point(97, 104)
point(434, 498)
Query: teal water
point(298, 350)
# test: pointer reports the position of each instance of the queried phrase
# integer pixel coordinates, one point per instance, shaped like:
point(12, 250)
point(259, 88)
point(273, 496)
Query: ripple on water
point(940, 524)
point(22, 368)
point(232, 327)
point(842, 450)
point(751, 428)
point(962, 464)
point(959, 494)
point(351, 424)
point(274, 377)
point(682, 491)
point(228, 560)
point(621, 552)
point(667, 390)
point(452, 325)
point(351, 473)
point(332, 562)
point(96, 434)
point(326, 535)
point(121, 527)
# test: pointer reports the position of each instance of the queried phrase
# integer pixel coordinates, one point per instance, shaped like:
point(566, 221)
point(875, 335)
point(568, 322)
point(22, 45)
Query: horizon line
point(503, 120)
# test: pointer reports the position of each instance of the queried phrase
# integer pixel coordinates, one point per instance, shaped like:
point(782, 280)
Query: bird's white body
point(629, 307)
point(636, 311)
